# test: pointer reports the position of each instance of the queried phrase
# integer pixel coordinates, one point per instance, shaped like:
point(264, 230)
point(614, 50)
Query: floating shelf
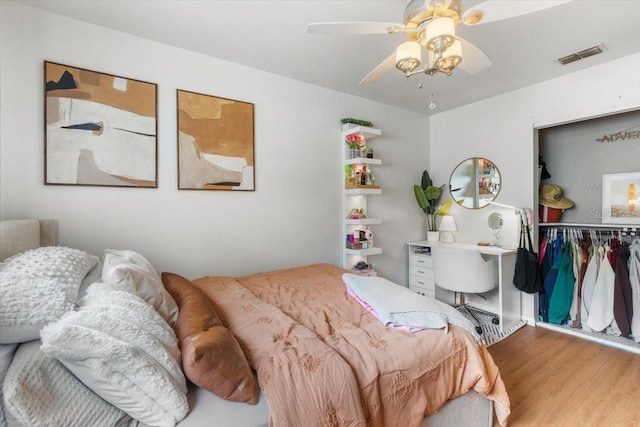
point(362, 191)
point(363, 221)
point(365, 131)
point(363, 161)
point(363, 252)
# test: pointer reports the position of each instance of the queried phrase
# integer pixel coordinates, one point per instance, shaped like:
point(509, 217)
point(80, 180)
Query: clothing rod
point(614, 227)
point(608, 228)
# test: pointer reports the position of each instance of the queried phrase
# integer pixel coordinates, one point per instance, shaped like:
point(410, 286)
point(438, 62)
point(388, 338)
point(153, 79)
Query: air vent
point(581, 55)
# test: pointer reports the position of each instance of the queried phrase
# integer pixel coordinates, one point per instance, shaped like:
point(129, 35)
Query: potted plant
point(427, 196)
point(348, 122)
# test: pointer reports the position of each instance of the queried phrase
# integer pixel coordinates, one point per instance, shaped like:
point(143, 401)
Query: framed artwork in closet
point(620, 198)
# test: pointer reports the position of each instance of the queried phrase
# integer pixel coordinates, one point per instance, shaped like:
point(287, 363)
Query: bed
point(316, 356)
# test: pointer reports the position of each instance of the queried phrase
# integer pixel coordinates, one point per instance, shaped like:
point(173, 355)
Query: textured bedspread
point(324, 360)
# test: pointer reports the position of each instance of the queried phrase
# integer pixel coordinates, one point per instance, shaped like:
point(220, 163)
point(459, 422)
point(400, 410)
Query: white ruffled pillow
point(42, 392)
point(120, 348)
point(131, 272)
point(39, 286)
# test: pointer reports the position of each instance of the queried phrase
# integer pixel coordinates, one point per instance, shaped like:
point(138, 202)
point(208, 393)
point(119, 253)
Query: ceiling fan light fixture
point(450, 58)
point(408, 56)
point(440, 34)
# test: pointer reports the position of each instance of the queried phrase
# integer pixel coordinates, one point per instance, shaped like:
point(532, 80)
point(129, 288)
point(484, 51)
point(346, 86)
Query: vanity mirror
point(496, 222)
point(475, 182)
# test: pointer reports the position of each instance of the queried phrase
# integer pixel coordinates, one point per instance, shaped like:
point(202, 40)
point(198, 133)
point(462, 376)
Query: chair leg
point(465, 310)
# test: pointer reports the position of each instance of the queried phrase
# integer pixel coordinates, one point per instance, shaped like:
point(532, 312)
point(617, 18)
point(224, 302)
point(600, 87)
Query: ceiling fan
point(430, 24)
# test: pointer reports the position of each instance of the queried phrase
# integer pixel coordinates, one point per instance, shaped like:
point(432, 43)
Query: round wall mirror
point(475, 182)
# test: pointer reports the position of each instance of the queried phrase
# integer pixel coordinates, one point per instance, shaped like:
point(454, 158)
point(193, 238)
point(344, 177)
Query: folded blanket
point(395, 304)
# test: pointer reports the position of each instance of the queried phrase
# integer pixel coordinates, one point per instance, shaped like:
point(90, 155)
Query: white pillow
point(39, 286)
point(39, 391)
point(6, 356)
point(131, 272)
point(121, 348)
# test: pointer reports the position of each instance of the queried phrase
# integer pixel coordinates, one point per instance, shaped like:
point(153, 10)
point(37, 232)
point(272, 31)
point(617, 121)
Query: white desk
point(504, 301)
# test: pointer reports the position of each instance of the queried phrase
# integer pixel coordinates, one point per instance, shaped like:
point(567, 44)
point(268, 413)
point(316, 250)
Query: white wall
point(502, 130)
point(292, 218)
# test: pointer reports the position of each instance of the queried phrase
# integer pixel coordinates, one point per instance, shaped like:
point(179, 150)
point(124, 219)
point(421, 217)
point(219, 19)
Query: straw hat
point(551, 196)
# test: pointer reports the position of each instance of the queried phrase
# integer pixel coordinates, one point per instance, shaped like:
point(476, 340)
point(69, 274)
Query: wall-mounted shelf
point(366, 132)
point(363, 221)
point(363, 252)
point(362, 191)
point(355, 197)
point(363, 161)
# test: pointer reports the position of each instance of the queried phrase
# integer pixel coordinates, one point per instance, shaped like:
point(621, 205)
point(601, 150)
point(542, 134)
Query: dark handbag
point(526, 276)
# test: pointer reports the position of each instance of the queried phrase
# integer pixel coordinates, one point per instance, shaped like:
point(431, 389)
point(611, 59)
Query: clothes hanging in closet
point(562, 294)
point(591, 283)
point(634, 279)
point(622, 297)
point(601, 308)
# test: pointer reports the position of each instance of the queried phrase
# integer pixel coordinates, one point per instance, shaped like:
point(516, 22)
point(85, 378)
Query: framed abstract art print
point(215, 143)
point(100, 129)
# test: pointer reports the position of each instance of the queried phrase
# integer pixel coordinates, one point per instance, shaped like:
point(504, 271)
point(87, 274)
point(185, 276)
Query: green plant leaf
point(426, 180)
point(432, 192)
point(421, 197)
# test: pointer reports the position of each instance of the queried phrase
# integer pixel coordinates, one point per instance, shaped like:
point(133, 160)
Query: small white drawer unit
point(421, 274)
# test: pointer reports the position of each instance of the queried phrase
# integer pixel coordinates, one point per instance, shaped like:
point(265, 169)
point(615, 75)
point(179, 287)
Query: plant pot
point(433, 236)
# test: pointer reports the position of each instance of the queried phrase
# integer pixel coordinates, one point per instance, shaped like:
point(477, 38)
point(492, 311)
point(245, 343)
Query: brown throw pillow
point(211, 356)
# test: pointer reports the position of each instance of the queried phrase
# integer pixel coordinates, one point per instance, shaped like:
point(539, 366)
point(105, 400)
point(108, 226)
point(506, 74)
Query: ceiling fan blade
point(495, 10)
point(381, 69)
point(473, 59)
point(352, 27)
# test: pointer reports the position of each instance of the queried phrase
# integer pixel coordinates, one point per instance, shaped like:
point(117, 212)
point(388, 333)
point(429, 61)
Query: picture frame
point(620, 198)
point(215, 143)
point(100, 129)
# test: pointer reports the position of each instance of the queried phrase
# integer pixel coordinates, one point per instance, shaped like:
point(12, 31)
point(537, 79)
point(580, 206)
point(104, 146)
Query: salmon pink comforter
point(322, 359)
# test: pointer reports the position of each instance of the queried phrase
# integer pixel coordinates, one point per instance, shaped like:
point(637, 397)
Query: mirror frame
point(472, 163)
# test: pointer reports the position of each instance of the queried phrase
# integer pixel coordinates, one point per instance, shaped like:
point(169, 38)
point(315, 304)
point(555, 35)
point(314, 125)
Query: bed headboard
point(19, 235)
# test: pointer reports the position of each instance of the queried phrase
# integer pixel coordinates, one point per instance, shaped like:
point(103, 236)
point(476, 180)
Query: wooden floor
point(554, 379)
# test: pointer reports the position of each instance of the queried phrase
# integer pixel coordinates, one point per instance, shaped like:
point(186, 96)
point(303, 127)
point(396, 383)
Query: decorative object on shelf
point(368, 234)
point(552, 203)
point(359, 177)
point(354, 122)
point(427, 196)
point(620, 202)
point(215, 143)
point(357, 213)
point(356, 143)
point(101, 129)
point(447, 227)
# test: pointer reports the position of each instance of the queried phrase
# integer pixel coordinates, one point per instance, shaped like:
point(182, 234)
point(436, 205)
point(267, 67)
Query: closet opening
point(587, 227)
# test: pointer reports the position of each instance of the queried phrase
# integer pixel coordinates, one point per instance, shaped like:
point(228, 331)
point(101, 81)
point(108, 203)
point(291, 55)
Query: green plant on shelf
point(356, 122)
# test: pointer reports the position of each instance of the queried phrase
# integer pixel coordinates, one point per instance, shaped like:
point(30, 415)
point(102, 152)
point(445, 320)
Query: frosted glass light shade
point(408, 56)
point(440, 34)
point(451, 57)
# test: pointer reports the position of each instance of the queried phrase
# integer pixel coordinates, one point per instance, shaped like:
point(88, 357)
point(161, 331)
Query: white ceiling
point(272, 35)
